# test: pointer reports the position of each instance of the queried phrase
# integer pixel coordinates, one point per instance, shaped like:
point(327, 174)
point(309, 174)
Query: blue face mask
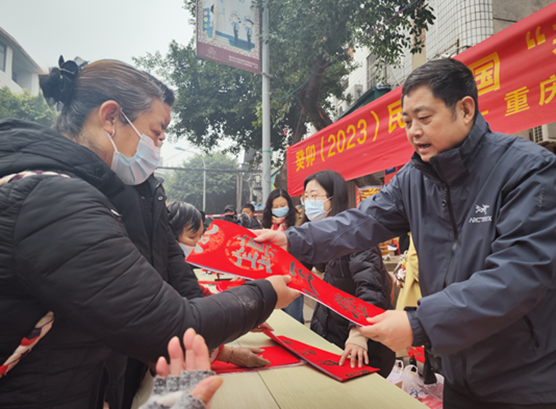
point(314, 210)
point(135, 170)
point(280, 211)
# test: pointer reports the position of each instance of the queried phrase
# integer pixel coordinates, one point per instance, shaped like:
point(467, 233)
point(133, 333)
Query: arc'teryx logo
point(481, 210)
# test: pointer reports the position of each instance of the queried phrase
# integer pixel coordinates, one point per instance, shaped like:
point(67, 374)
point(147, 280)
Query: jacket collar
point(30, 146)
point(452, 167)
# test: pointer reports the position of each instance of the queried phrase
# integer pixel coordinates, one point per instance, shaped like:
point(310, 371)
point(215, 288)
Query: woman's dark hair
point(183, 215)
point(267, 212)
point(82, 88)
point(335, 187)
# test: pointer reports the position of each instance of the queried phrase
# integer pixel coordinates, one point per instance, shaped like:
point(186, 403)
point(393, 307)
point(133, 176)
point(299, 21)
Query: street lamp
point(204, 173)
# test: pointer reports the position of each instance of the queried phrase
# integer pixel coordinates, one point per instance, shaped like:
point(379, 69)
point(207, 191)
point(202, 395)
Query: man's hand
point(277, 238)
point(357, 354)
point(285, 294)
point(391, 328)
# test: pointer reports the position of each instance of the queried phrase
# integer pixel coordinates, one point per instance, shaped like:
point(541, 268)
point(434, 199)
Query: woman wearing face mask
point(280, 214)
point(187, 225)
point(360, 274)
point(69, 270)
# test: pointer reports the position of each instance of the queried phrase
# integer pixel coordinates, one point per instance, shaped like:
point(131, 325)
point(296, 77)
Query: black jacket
point(153, 237)
point(483, 220)
point(363, 275)
point(63, 248)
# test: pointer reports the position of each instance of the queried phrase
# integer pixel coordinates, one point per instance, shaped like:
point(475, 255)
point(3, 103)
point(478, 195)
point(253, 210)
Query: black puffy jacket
point(63, 248)
point(363, 275)
point(145, 215)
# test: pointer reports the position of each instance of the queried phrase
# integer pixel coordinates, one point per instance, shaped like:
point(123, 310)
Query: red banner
point(229, 248)
point(515, 71)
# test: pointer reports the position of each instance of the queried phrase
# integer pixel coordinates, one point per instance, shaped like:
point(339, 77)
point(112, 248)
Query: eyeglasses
point(305, 199)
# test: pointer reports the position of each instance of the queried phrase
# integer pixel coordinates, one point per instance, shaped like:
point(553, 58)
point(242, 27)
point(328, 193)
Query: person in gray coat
point(481, 207)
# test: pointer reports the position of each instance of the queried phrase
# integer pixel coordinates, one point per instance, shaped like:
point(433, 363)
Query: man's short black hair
point(249, 206)
point(448, 79)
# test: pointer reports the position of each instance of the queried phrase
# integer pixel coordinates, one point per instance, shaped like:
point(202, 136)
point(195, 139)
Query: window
point(2, 56)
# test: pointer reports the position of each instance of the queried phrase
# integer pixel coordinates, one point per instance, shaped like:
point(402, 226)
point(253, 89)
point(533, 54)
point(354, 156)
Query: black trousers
point(456, 400)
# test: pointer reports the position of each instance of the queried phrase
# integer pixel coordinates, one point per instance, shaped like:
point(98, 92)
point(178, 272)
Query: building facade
point(18, 71)
point(459, 25)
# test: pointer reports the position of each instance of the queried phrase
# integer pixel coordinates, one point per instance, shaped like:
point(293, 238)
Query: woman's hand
point(285, 294)
point(244, 357)
point(275, 237)
point(357, 353)
point(263, 327)
point(197, 358)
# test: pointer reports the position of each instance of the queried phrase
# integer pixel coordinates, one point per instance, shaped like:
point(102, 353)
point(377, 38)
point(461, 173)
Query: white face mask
point(186, 249)
point(135, 170)
point(314, 210)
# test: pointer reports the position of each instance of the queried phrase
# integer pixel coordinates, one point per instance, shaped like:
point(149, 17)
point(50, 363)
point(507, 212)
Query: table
point(303, 386)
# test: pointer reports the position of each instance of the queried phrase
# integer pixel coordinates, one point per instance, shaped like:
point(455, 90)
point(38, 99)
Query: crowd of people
point(98, 303)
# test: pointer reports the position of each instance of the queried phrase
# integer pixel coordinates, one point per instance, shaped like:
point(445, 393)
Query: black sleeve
point(72, 254)
point(180, 274)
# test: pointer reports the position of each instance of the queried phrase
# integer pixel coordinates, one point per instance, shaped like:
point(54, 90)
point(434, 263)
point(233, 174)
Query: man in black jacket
point(249, 210)
point(481, 207)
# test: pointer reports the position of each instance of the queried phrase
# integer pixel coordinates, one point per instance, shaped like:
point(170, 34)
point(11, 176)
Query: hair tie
point(58, 85)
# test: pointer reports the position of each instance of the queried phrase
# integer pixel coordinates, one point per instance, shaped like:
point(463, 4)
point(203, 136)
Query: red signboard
point(515, 71)
point(229, 248)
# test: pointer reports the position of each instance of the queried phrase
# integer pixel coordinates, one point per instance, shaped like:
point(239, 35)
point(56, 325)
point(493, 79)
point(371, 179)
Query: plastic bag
point(396, 375)
point(429, 395)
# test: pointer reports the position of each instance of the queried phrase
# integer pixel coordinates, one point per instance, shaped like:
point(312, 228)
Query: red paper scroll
point(226, 285)
point(278, 357)
point(516, 79)
point(324, 361)
point(229, 248)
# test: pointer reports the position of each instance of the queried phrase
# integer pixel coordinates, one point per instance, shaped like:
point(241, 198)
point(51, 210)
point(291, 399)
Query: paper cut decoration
point(226, 285)
point(324, 361)
point(278, 357)
point(229, 248)
point(417, 352)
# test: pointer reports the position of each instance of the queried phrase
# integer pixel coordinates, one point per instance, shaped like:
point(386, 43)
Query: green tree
point(221, 189)
point(26, 106)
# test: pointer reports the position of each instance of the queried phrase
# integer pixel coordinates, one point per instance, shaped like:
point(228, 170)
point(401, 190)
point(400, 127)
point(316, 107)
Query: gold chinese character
point(310, 153)
point(548, 86)
point(539, 37)
point(487, 73)
point(395, 116)
point(517, 101)
point(299, 158)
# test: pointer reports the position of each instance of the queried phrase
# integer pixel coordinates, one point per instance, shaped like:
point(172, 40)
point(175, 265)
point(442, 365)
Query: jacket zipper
point(531, 330)
point(447, 202)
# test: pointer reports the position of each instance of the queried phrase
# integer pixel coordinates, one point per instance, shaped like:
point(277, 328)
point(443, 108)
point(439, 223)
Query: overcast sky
point(97, 29)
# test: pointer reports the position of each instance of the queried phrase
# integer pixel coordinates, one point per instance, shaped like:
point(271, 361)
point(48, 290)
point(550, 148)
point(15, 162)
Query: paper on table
point(278, 357)
point(324, 361)
point(229, 248)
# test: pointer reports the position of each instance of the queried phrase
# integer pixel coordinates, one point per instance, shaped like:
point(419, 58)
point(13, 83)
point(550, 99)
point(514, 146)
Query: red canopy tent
point(515, 71)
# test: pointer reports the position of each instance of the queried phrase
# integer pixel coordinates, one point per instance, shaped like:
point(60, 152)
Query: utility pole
point(266, 105)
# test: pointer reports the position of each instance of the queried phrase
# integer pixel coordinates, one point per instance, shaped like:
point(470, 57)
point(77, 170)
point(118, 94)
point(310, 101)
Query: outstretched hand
point(391, 328)
point(355, 353)
point(277, 238)
point(197, 358)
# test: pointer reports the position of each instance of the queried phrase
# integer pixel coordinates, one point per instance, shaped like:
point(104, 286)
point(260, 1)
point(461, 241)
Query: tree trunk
point(281, 180)
point(308, 97)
